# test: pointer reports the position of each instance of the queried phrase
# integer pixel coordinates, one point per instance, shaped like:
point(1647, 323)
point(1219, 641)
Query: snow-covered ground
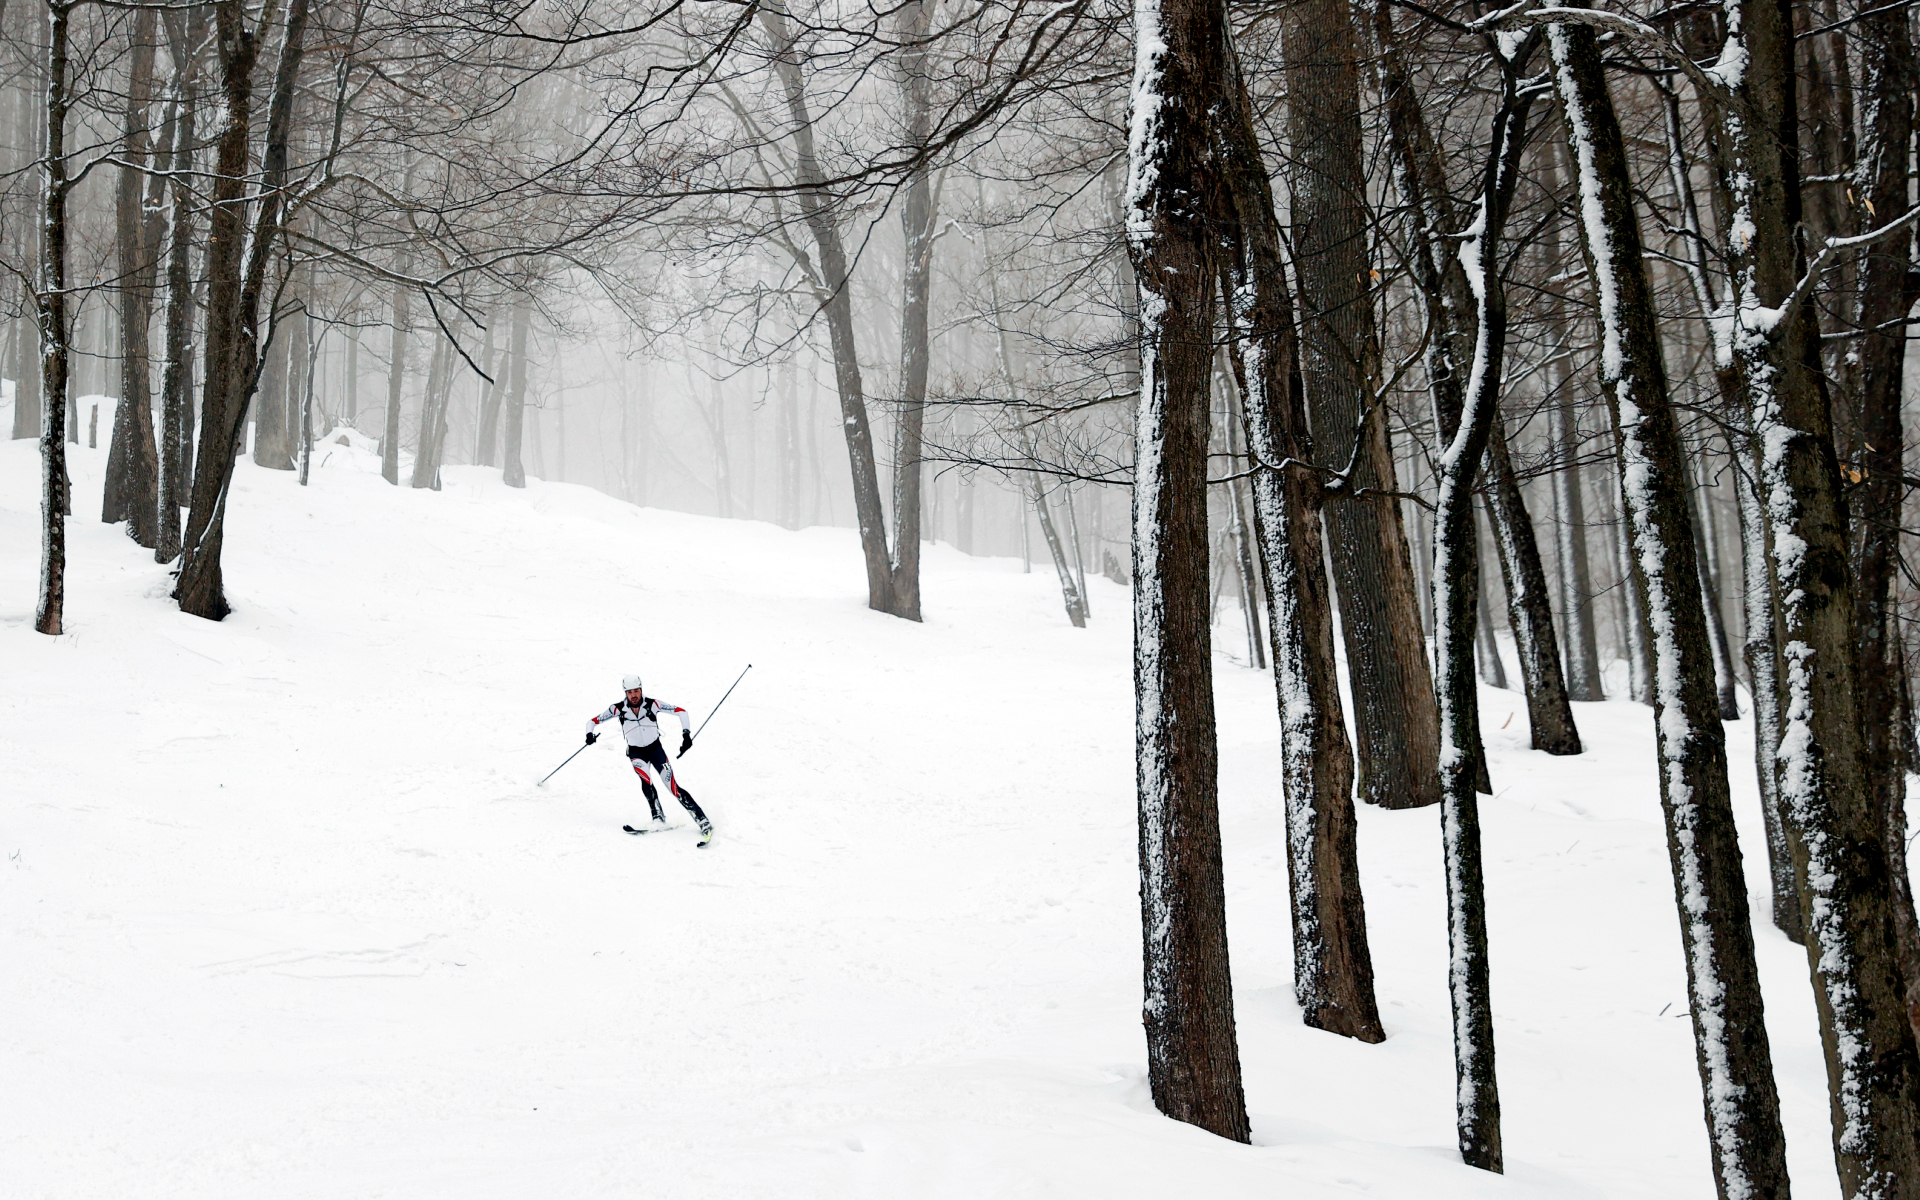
point(283, 913)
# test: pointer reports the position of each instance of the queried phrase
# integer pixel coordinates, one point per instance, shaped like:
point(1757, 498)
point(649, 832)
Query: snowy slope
point(283, 913)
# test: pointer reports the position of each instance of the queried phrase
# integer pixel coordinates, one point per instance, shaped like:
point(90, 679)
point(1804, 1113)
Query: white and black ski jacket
point(641, 724)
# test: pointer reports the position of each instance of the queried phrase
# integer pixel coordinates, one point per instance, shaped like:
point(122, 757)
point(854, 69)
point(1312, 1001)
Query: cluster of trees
point(1344, 303)
point(1703, 215)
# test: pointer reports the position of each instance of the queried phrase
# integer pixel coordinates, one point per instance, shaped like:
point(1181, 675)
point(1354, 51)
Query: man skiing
point(638, 715)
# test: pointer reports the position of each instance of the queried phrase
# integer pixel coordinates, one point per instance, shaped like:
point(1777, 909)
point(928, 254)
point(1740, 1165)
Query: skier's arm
point(593, 723)
point(686, 724)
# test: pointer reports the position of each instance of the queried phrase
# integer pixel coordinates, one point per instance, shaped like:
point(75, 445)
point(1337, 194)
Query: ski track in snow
point(284, 914)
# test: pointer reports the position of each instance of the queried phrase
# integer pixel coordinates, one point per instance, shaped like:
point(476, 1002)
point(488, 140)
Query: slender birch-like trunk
point(916, 227)
point(1193, 1057)
point(1723, 981)
point(50, 303)
point(185, 32)
point(396, 382)
point(1464, 434)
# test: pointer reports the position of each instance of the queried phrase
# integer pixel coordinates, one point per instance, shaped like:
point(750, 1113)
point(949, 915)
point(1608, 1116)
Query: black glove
point(593, 735)
point(686, 742)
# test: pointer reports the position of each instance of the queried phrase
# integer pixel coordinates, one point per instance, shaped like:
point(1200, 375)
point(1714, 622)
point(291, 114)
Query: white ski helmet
point(630, 682)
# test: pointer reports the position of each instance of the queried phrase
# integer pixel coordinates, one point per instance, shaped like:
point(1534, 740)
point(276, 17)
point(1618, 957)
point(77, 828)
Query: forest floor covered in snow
point(284, 914)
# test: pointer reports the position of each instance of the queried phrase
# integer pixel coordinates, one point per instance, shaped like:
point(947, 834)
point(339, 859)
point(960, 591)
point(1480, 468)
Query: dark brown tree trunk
point(1193, 1057)
point(1723, 980)
point(1529, 604)
point(1842, 866)
point(1394, 716)
point(235, 286)
point(511, 473)
point(835, 277)
point(50, 301)
point(131, 492)
point(1885, 293)
point(1332, 964)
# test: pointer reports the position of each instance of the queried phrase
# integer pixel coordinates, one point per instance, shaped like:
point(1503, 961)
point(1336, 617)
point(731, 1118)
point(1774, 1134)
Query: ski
point(655, 829)
point(705, 838)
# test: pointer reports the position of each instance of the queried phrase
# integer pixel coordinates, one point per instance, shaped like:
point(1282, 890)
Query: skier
point(639, 721)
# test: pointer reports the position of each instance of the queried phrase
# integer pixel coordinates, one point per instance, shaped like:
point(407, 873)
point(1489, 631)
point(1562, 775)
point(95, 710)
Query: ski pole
point(556, 770)
point(716, 708)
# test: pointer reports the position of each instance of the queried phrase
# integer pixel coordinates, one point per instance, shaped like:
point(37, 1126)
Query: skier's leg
point(646, 785)
point(663, 766)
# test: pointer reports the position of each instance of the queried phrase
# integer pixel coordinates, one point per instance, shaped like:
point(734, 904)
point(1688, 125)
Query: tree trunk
point(1464, 434)
point(1420, 176)
point(29, 135)
point(1842, 866)
point(426, 459)
point(835, 279)
point(131, 491)
point(50, 301)
point(1762, 656)
point(490, 403)
point(1486, 647)
point(1724, 682)
point(1193, 1058)
point(396, 383)
point(1886, 293)
point(1394, 715)
point(185, 33)
point(1723, 980)
point(1332, 964)
point(1633, 617)
point(511, 473)
point(916, 277)
point(236, 286)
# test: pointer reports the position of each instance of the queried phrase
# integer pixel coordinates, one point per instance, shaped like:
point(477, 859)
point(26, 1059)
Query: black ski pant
point(655, 755)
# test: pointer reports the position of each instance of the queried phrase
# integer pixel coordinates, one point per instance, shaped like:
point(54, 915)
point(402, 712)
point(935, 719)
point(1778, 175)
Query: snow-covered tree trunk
point(1420, 178)
point(1724, 680)
point(1463, 436)
point(1332, 965)
point(1771, 343)
point(1193, 1057)
point(1887, 287)
point(1723, 981)
point(1761, 652)
point(50, 304)
point(1396, 741)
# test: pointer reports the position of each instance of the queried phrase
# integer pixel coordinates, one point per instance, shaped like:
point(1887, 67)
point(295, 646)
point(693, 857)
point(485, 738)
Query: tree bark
point(490, 404)
point(50, 302)
point(1192, 1054)
point(185, 32)
point(1394, 715)
point(236, 282)
point(1332, 963)
point(1723, 981)
point(1887, 283)
point(1529, 604)
point(131, 490)
point(1841, 866)
point(1464, 434)
point(426, 459)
